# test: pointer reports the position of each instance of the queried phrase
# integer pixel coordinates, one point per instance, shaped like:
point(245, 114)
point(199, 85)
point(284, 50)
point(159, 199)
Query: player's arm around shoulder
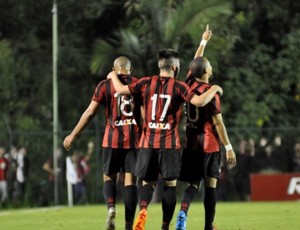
point(203, 99)
point(119, 86)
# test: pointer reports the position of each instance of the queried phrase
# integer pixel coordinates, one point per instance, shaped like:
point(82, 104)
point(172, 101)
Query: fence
point(268, 151)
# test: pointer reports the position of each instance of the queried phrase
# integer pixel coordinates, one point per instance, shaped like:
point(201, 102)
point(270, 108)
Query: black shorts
point(197, 165)
point(152, 162)
point(118, 160)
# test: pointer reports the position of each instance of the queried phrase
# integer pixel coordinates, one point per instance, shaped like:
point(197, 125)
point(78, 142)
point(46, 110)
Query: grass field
point(229, 216)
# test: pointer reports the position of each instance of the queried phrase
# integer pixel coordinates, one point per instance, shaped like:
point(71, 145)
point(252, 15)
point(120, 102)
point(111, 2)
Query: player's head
point(23, 151)
point(200, 67)
point(168, 60)
point(122, 65)
point(2, 151)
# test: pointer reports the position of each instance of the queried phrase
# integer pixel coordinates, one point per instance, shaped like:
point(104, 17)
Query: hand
point(68, 142)
point(230, 157)
point(218, 88)
point(90, 145)
point(57, 171)
point(207, 34)
point(111, 74)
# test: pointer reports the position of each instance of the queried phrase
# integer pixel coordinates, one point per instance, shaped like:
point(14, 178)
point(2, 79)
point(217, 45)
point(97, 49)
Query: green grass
point(229, 216)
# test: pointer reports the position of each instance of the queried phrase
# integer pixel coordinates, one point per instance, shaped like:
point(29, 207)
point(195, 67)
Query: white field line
point(31, 210)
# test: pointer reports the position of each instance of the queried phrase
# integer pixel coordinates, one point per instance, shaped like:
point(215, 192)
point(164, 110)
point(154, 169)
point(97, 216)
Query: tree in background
point(261, 73)
point(151, 26)
point(255, 54)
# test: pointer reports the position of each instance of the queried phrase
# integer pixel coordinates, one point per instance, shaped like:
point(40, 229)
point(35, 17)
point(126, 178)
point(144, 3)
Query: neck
point(203, 79)
point(123, 73)
point(166, 73)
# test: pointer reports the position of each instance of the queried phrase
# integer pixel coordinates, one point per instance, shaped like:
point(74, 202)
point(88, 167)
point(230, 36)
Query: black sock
point(146, 193)
point(210, 200)
point(130, 200)
point(168, 206)
point(188, 196)
point(109, 191)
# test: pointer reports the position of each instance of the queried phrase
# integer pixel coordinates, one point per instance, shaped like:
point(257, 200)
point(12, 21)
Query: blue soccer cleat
point(181, 221)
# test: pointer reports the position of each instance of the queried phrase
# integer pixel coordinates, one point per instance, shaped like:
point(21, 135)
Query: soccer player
point(205, 131)
point(120, 140)
point(159, 152)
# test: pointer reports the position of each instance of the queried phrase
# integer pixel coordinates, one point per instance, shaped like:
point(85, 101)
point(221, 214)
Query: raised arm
point(207, 34)
point(83, 121)
point(206, 97)
point(90, 151)
point(119, 86)
point(47, 168)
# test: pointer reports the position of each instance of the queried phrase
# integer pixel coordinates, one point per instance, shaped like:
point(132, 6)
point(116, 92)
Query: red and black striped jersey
point(162, 99)
point(200, 130)
point(3, 168)
point(122, 114)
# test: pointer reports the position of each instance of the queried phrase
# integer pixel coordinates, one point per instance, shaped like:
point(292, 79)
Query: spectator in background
point(21, 174)
point(4, 165)
point(47, 190)
point(82, 168)
point(244, 168)
point(266, 160)
point(279, 154)
point(296, 157)
point(46, 194)
point(12, 172)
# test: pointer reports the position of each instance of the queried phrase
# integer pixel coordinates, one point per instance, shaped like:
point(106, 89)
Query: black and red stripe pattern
point(122, 114)
point(200, 130)
point(162, 99)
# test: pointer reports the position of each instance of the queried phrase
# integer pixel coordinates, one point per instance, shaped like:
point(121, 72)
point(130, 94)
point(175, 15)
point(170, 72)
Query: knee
point(170, 183)
point(210, 182)
point(195, 184)
point(107, 178)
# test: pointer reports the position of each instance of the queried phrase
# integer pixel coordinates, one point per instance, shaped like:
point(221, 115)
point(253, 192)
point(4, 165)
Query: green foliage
point(260, 78)
point(6, 71)
point(153, 25)
point(254, 52)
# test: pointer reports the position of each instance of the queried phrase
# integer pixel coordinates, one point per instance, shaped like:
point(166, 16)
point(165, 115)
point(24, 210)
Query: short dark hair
point(166, 58)
point(168, 53)
point(198, 66)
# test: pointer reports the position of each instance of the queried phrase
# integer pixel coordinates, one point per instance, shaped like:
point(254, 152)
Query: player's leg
point(130, 189)
point(110, 168)
point(212, 173)
point(147, 169)
point(188, 196)
point(168, 202)
point(210, 201)
point(169, 163)
point(130, 199)
point(191, 172)
point(109, 192)
point(145, 194)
